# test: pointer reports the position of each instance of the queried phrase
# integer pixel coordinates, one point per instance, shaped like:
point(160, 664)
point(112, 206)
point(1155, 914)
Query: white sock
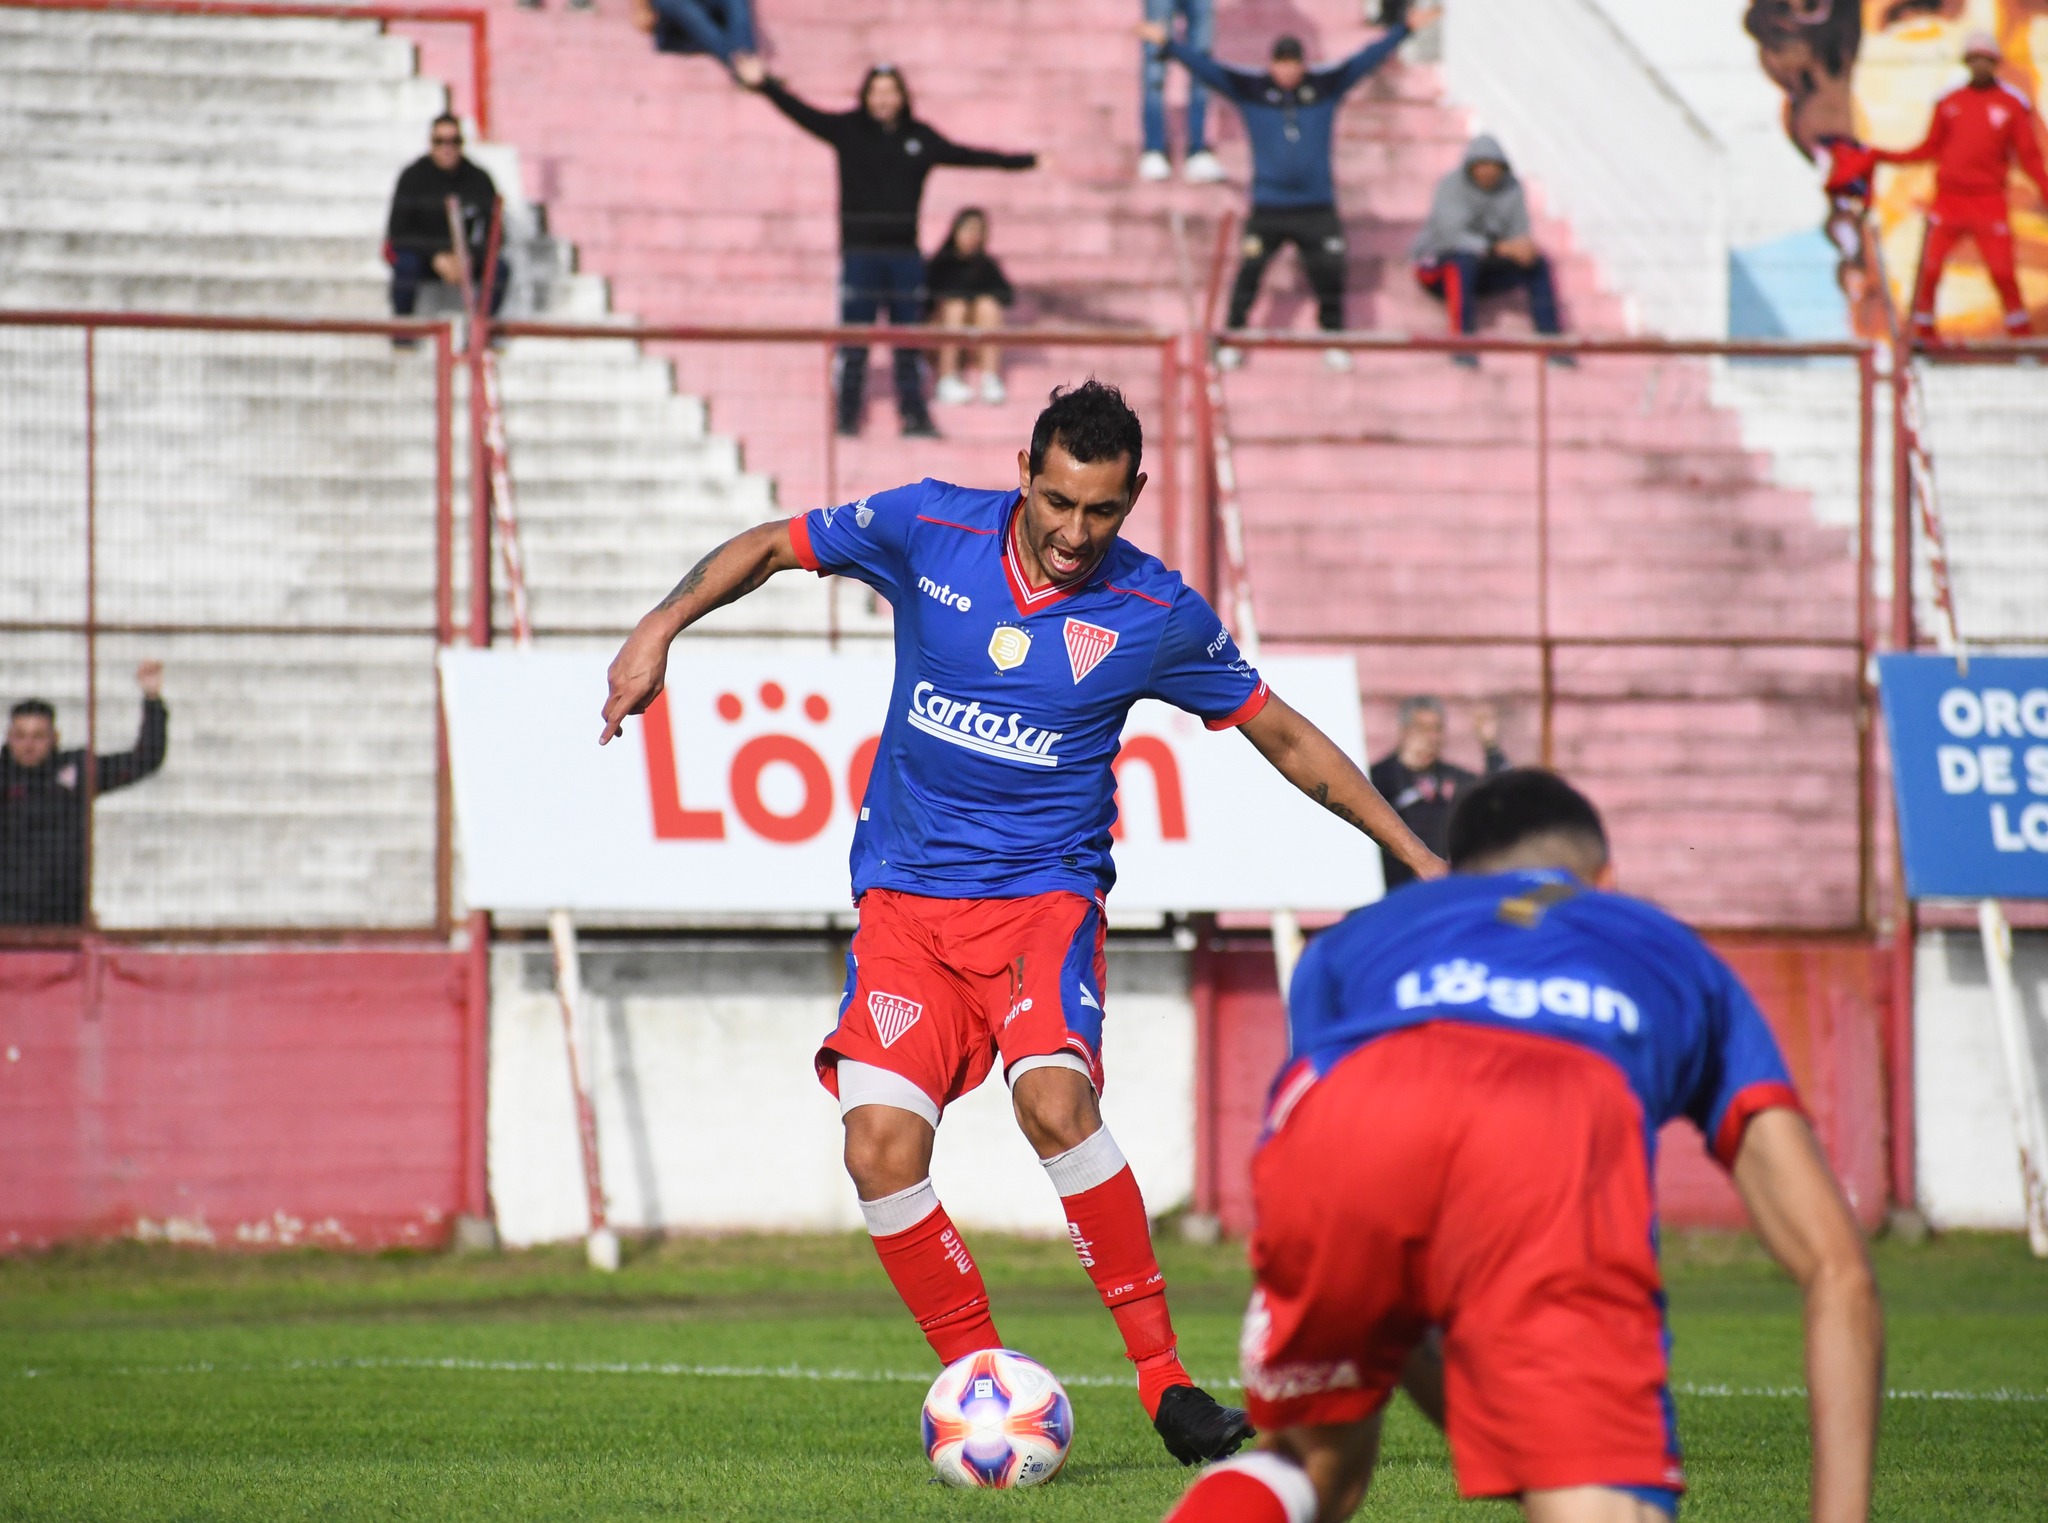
point(1096, 1161)
point(900, 1212)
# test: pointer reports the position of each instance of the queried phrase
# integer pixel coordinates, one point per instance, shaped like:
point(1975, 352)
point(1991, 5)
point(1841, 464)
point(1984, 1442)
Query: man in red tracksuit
point(1977, 130)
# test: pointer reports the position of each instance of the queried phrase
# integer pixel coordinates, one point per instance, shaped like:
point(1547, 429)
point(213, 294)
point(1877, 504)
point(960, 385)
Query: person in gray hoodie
point(1477, 243)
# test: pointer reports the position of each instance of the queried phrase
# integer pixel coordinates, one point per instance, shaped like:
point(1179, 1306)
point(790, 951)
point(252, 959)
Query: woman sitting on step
point(968, 290)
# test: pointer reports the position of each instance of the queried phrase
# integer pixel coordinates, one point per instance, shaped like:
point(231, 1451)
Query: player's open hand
point(150, 678)
point(636, 676)
point(1423, 16)
point(748, 69)
point(1154, 32)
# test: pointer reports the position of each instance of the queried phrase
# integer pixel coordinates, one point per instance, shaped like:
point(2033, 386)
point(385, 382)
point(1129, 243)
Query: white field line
point(865, 1377)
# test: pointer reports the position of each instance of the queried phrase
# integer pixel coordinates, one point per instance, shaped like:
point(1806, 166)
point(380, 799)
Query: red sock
point(931, 1269)
point(1258, 1488)
point(1106, 1220)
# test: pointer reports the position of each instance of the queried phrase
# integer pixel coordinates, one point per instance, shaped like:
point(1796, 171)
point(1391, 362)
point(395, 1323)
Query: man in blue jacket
point(1290, 116)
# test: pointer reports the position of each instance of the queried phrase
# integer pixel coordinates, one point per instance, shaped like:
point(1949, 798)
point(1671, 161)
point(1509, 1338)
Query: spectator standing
point(1421, 785)
point(1201, 167)
point(416, 238)
point(885, 153)
point(43, 794)
point(1478, 241)
point(1975, 134)
point(969, 290)
point(1290, 116)
point(722, 28)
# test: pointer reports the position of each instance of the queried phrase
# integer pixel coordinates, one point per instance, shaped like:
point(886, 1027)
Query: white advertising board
point(737, 792)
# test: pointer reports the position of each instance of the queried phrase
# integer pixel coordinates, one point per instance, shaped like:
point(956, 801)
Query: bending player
point(1025, 630)
point(1463, 1142)
point(1976, 131)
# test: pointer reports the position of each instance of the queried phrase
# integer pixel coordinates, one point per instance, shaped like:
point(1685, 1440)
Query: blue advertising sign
point(1970, 768)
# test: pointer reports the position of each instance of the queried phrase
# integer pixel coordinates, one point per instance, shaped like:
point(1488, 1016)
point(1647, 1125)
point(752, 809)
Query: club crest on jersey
point(893, 1015)
point(1008, 647)
point(1087, 644)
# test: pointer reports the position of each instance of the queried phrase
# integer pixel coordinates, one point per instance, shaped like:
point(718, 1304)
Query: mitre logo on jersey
point(893, 1015)
point(1008, 647)
point(1087, 644)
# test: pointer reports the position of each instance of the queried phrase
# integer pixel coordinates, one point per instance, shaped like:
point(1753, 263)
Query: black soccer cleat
point(1197, 1428)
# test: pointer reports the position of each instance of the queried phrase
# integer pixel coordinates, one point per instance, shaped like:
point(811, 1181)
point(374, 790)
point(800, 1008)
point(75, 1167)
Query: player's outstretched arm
point(1801, 1217)
point(727, 574)
point(1310, 760)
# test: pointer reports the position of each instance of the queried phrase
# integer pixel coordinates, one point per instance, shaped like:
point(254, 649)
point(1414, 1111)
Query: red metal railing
point(475, 18)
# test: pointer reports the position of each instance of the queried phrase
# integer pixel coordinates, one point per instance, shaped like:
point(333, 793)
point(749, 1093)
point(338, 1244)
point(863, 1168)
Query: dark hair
point(875, 73)
point(1512, 806)
point(1288, 47)
point(446, 116)
point(1092, 422)
point(33, 708)
point(960, 219)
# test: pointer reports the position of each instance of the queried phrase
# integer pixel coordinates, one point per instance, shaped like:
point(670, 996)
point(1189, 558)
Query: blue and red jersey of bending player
point(994, 777)
point(1534, 951)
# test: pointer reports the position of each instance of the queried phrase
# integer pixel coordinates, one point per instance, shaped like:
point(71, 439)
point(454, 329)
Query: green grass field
point(778, 1379)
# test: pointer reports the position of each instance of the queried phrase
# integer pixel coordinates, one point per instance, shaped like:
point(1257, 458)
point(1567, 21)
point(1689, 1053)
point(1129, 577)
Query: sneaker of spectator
point(993, 392)
point(952, 391)
point(1153, 165)
point(1229, 357)
point(1337, 360)
point(1203, 168)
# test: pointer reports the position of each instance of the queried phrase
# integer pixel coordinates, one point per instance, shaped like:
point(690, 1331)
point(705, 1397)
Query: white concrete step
point(309, 101)
point(176, 55)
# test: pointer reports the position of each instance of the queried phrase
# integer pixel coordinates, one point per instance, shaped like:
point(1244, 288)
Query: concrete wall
point(1968, 1161)
point(710, 1117)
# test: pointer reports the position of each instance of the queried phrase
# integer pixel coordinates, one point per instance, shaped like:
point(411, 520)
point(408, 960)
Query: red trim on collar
point(800, 543)
point(1748, 1101)
point(1030, 600)
point(1244, 712)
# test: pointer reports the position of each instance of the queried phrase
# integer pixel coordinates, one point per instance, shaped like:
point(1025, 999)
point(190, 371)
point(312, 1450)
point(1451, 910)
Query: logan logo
point(1003, 736)
point(1087, 644)
point(893, 1015)
point(944, 595)
point(1459, 982)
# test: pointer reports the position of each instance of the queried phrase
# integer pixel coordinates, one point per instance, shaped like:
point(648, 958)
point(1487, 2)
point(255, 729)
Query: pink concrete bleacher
point(1396, 501)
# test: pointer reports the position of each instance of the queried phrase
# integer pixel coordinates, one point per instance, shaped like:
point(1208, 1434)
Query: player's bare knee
point(1056, 1109)
point(886, 1150)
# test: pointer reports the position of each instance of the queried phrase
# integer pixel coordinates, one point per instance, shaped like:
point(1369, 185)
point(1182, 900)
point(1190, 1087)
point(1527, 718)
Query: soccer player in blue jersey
point(1025, 630)
point(1462, 1141)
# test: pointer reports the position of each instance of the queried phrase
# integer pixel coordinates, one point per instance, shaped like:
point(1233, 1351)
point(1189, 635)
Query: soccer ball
point(997, 1418)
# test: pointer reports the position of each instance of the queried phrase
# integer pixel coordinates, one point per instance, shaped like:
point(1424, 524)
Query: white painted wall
point(711, 1119)
point(1968, 1162)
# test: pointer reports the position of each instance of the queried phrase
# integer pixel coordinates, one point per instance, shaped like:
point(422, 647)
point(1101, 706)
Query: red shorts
point(1494, 1185)
point(936, 988)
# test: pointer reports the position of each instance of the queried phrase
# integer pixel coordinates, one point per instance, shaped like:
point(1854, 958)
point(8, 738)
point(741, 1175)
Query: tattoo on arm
point(1321, 794)
point(692, 581)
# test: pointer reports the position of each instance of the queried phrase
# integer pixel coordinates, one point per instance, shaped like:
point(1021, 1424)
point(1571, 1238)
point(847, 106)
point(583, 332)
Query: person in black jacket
point(969, 290)
point(885, 152)
point(43, 793)
point(1421, 785)
point(416, 239)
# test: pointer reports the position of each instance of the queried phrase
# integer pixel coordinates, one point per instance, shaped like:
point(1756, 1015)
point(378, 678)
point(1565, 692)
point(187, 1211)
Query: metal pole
point(1548, 676)
point(444, 620)
point(1169, 451)
point(92, 617)
point(2030, 1130)
point(1903, 636)
point(1866, 646)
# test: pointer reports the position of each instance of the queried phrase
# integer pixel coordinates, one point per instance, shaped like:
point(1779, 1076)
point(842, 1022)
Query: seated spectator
point(1477, 242)
point(43, 794)
point(417, 241)
point(968, 290)
point(885, 152)
point(1421, 785)
point(722, 28)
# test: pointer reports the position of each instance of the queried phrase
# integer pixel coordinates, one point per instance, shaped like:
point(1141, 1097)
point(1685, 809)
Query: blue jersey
point(1534, 951)
point(994, 777)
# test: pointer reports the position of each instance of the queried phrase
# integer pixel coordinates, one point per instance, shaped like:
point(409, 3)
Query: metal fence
point(1606, 549)
point(253, 519)
point(1666, 565)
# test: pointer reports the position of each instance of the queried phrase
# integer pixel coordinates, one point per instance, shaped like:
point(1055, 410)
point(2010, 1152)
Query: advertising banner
point(736, 793)
point(1970, 768)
